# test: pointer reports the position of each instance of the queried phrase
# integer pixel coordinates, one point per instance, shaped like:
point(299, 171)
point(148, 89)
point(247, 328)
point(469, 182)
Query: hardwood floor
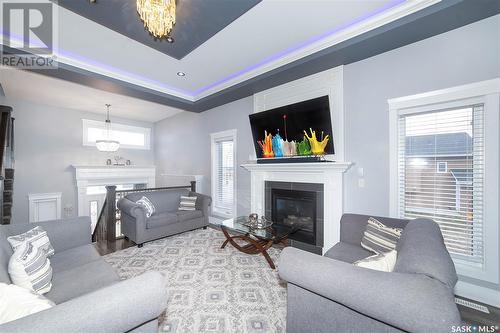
point(104, 247)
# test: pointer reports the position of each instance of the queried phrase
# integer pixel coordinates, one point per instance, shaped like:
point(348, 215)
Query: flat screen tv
point(290, 122)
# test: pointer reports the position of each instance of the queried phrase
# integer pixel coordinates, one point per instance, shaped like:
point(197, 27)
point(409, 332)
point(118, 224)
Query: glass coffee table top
point(274, 232)
point(250, 240)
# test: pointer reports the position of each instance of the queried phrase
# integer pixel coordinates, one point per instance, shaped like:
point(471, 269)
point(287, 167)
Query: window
point(449, 139)
point(223, 173)
point(444, 165)
point(132, 137)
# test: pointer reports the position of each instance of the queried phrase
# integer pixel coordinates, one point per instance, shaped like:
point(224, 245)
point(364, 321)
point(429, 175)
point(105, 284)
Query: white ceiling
point(267, 36)
point(44, 90)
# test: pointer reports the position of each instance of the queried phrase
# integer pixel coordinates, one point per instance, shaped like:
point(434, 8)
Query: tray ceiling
point(274, 42)
point(197, 21)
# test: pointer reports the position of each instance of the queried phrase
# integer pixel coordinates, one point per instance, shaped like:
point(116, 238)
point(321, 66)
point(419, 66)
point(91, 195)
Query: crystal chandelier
point(158, 16)
point(107, 144)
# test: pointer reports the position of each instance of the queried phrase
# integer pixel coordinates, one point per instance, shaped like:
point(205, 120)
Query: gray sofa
point(329, 294)
point(167, 219)
point(89, 295)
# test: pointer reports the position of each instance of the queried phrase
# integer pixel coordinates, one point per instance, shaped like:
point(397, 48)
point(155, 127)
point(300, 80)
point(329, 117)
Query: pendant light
point(107, 143)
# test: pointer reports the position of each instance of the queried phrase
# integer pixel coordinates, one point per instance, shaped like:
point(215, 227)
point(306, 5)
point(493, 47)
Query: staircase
point(6, 163)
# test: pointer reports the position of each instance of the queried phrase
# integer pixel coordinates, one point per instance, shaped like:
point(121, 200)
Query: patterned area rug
point(210, 289)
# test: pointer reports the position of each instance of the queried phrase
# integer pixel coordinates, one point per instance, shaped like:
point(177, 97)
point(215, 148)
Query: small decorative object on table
point(253, 217)
point(255, 222)
point(119, 161)
point(108, 161)
point(128, 162)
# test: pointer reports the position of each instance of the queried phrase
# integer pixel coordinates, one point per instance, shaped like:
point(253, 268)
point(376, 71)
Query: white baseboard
point(478, 293)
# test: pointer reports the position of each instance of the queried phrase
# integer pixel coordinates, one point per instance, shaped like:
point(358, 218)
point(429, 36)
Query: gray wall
point(182, 144)
point(48, 141)
point(461, 56)
point(446, 60)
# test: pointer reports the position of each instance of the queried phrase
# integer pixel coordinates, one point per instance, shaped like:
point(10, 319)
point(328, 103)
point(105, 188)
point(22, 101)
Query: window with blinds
point(441, 159)
point(224, 176)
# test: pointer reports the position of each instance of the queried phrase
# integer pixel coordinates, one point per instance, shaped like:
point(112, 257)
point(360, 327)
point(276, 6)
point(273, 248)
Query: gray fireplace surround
point(318, 190)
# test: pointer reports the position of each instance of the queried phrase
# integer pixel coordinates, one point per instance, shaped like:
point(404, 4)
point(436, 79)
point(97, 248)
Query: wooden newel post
point(193, 186)
point(111, 213)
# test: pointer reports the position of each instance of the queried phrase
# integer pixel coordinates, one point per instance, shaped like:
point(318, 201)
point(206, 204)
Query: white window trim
point(487, 92)
point(445, 167)
point(214, 137)
point(87, 123)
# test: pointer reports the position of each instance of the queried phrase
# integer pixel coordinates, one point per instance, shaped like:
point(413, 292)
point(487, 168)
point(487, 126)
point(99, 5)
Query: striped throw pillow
point(148, 205)
point(187, 203)
point(30, 268)
point(36, 236)
point(380, 238)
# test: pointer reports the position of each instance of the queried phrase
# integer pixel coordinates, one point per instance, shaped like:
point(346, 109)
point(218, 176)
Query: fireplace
point(297, 204)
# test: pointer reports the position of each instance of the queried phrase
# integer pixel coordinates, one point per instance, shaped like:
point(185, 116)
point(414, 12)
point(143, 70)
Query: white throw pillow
point(30, 268)
point(17, 302)
point(187, 203)
point(148, 205)
point(384, 262)
point(37, 236)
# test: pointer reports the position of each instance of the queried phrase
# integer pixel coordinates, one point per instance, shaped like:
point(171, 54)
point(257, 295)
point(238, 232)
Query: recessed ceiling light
point(170, 39)
point(181, 74)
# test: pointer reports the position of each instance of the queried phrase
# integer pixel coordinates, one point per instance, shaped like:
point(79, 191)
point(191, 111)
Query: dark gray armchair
point(167, 219)
point(329, 294)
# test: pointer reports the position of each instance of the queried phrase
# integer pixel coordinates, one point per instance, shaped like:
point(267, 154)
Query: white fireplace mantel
point(313, 167)
point(330, 174)
point(101, 175)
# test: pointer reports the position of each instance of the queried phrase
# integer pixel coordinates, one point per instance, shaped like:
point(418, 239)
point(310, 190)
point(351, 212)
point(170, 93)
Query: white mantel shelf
point(298, 167)
point(102, 175)
point(109, 172)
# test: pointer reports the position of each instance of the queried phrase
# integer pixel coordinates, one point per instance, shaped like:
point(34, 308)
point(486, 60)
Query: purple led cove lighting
point(298, 46)
point(100, 65)
point(19, 39)
point(273, 57)
point(119, 71)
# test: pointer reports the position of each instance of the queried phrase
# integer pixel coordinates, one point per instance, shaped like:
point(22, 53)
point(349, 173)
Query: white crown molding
point(406, 8)
point(369, 24)
point(123, 77)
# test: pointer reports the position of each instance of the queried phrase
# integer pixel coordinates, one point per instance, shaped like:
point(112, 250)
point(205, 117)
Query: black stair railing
point(108, 223)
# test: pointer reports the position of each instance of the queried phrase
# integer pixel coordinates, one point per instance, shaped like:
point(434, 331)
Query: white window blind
point(451, 196)
point(224, 173)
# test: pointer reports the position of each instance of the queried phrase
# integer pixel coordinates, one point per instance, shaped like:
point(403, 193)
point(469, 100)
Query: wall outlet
point(361, 182)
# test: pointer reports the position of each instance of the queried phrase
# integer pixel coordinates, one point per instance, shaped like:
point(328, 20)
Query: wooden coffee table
point(258, 240)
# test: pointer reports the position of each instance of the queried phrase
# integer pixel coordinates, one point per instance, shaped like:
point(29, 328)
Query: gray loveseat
point(167, 219)
point(329, 294)
point(89, 295)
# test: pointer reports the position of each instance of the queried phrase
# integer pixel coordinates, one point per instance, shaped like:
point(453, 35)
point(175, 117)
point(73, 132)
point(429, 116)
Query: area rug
point(210, 289)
